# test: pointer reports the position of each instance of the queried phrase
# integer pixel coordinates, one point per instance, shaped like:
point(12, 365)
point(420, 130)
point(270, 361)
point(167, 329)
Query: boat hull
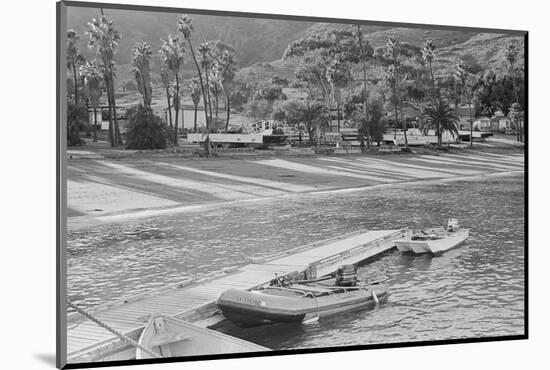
point(170, 337)
point(254, 308)
point(436, 246)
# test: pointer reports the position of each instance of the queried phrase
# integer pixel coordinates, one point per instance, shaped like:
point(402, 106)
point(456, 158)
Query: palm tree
point(339, 75)
point(215, 87)
point(140, 65)
point(104, 38)
point(172, 54)
point(185, 27)
point(428, 56)
point(441, 117)
point(226, 69)
point(366, 52)
point(205, 62)
point(93, 76)
point(392, 53)
point(165, 77)
point(511, 54)
point(465, 80)
point(72, 56)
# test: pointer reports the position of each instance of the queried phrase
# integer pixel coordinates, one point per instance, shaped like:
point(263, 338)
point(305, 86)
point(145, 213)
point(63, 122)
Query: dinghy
point(435, 241)
point(170, 337)
point(299, 302)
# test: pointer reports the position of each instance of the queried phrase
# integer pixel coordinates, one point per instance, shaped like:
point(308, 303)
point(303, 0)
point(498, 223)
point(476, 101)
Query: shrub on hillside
point(276, 80)
point(145, 130)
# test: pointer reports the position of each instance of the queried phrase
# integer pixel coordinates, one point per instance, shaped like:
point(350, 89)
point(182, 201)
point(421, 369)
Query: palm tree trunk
point(396, 121)
point(217, 104)
point(116, 134)
point(365, 102)
point(177, 109)
point(145, 97)
point(405, 133)
point(433, 81)
point(363, 57)
point(88, 111)
point(202, 85)
point(518, 132)
point(95, 124)
point(182, 111)
point(111, 136)
point(396, 89)
point(195, 121)
point(203, 97)
point(169, 107)
point(208, 90)
point(75, 82)
point(471, 121)
point(228, 112)
point(338, 114)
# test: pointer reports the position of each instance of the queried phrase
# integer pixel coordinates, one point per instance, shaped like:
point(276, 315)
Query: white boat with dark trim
point(435, 241)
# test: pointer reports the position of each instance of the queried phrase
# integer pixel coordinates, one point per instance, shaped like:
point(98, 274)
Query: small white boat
point(435, 241)
point(170, 337)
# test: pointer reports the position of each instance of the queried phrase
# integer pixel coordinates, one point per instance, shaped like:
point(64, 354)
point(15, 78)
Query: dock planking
point(194, 299)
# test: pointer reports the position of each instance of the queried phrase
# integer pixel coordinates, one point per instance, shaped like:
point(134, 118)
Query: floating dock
point(194, 300)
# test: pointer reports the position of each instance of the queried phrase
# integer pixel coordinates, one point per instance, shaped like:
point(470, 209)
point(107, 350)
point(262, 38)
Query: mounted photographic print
point(236, 184)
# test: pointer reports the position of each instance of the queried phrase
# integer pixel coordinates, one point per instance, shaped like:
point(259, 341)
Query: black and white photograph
point(239, 184)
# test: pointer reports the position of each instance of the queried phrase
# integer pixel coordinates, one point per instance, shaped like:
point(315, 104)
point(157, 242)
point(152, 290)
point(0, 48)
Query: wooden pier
point(194, 300)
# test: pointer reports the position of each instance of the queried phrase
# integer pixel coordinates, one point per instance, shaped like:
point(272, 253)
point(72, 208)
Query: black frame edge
point(526, 179)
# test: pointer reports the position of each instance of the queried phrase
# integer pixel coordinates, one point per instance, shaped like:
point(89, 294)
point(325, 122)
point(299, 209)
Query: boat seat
point(167, 338)
point(312, 289)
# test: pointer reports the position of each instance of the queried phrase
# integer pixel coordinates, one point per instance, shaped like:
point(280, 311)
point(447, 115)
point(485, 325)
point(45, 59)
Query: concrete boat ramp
point(194, 299)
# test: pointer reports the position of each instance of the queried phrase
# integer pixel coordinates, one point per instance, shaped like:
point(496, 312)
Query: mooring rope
point(122, 336)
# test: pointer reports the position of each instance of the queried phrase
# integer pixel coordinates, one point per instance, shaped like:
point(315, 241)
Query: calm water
point(475, 290)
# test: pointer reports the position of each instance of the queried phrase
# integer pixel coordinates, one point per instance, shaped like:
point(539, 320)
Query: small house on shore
point(463, 114)
point(483, 123)
point(408, 111)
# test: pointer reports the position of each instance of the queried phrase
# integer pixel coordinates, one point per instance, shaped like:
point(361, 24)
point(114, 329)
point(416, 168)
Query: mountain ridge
point(259, 41)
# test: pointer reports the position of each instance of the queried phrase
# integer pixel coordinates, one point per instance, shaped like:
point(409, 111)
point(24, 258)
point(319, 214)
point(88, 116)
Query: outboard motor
point(452, 225)
point(346, 275)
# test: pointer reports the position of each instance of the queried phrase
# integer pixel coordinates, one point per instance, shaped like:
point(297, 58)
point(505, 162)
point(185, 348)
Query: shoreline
point(195, 152)
point(81, 222)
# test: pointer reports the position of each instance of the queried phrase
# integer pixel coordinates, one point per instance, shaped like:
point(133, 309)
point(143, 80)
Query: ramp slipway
point(194, 299)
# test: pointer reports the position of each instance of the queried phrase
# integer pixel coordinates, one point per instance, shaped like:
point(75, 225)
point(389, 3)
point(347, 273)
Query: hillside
point(253, 39)
point(451, 47)
point(260, 43)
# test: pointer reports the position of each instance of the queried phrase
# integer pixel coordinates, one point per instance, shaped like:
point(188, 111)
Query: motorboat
point(435, 240)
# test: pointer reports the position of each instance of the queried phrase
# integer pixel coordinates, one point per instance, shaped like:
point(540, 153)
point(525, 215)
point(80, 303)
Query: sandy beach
point(110, 190)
